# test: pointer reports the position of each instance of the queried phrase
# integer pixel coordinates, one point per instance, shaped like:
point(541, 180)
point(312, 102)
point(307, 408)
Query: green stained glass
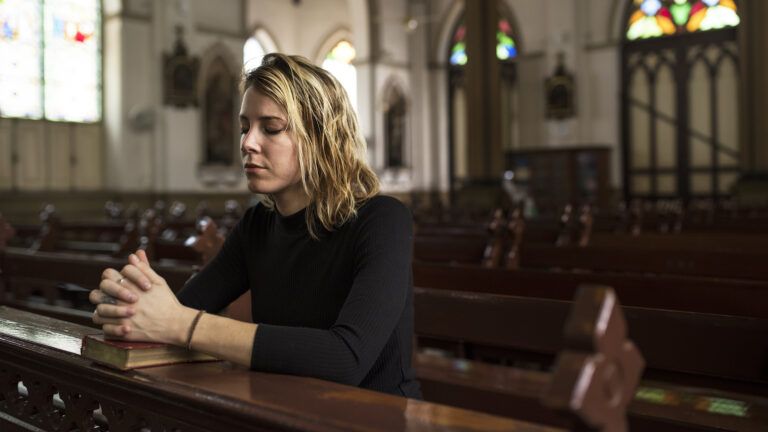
point(681, 10)
point(658, 18)
point(506, 49)
point(459, 54)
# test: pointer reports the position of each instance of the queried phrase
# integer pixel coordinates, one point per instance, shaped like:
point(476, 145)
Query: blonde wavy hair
point(324, 126)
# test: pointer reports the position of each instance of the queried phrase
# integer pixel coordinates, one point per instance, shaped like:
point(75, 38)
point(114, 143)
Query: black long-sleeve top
point(339, 308)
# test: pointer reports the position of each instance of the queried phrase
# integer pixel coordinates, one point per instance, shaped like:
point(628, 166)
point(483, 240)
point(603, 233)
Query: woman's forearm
point(218, 336)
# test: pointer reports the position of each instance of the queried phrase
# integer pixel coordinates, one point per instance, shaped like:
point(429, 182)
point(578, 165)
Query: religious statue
point(560, 88)
point(180, 74)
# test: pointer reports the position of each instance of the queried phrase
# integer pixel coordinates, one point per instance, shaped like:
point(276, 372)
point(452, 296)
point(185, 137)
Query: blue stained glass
point(658, 18)
point(505, 44)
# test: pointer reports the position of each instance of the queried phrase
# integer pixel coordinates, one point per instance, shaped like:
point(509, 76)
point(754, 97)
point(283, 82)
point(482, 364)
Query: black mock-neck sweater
point(339, 308)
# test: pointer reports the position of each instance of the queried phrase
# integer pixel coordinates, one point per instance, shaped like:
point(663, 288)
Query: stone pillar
point(484, 148)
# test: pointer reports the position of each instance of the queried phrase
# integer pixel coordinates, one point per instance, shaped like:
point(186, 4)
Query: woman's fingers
point(146, 269)
point(110, 273)
point(116, 330)
point(120, 290)
point(98, 319)
point(98, 297)
point(113, 311)
point(142, 255)
point(132, 273)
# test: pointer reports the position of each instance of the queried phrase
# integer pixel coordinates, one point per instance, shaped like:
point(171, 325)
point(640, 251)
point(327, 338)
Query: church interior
point(588, 181)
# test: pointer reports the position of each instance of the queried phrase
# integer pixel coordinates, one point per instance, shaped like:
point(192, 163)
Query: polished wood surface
point(42, 354)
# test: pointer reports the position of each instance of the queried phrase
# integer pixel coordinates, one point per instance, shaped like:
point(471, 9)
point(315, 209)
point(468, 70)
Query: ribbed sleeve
point(224, 278)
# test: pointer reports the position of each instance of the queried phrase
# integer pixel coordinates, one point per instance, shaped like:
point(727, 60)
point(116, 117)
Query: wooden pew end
point(599, 369)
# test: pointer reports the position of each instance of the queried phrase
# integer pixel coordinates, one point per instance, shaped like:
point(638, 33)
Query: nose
point(250, 142)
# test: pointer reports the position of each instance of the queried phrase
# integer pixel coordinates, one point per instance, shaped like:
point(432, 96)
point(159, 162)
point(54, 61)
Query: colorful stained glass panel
point(506, 49)
point(656, 18)
point(72, 62)
point(20, 90)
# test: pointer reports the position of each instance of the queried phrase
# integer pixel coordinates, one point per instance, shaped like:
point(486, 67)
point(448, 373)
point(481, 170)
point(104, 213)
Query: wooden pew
point(683, 293)
point(46, 385)
point(667, 362)
point(715, 351)
point(732, 265)
point(462, 244)
point(62, 280)
point(568, 390)
point(486, 326)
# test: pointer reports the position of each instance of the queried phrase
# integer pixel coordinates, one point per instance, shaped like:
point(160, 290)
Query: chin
point(261, 186)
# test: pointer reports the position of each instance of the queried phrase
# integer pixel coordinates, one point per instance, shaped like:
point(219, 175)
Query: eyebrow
point(262, 118)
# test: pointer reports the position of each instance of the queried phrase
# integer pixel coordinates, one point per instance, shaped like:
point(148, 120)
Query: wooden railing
point(46, 385)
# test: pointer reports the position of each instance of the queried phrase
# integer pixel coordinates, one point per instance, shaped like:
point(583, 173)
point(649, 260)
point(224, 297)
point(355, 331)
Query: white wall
point(167, 157)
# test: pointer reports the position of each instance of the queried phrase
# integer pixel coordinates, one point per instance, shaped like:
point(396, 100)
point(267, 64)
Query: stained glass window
point(253, 52)
point(20, 72)
point(505, 44)
point(72, 63)
point(339, 63)
point(50, 66)
point(656, 18)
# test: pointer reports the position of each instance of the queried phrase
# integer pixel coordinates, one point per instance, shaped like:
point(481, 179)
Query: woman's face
point(269, 152)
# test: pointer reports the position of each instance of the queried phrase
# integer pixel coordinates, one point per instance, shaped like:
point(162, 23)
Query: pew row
point(695, 349)
point(28, 392)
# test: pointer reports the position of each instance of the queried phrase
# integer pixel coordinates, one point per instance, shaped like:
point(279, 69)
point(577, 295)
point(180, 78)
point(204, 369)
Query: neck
point(291, 200)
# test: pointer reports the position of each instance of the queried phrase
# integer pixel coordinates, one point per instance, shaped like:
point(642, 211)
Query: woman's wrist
point(180, 333)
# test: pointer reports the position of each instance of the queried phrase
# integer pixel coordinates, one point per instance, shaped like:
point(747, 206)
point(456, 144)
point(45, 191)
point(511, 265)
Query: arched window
point(655, 18)
point(338, 62)
point(50, 65)
point(253, 52)
point(505, 44)
point(680, 99)
point(506, 52)
point(256, 47)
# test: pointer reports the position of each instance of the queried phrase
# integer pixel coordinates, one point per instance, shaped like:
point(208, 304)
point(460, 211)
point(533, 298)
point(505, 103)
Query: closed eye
point(273, 131)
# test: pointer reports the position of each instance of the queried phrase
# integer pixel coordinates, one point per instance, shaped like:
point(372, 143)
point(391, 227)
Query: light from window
point(51, 64)
point(339, 63)
point(20, 74)
point(506, 49)
point(253, 53)
point(656, 18)
point(72, 63)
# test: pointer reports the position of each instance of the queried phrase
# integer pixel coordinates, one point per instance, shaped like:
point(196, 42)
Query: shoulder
point(385, 215)
point(384, 207)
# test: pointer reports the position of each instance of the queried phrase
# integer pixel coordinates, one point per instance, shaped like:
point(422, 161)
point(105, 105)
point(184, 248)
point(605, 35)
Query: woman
point(327, 260)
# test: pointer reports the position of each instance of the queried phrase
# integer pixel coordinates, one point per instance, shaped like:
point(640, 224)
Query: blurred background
point(463, 104)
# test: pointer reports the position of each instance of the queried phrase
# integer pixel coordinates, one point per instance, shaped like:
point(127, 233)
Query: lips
point(253, 168)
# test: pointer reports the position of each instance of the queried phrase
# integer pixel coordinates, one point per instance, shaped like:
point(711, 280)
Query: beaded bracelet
point(192, 328)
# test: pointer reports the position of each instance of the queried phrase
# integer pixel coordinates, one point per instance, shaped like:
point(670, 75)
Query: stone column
point(484, 151)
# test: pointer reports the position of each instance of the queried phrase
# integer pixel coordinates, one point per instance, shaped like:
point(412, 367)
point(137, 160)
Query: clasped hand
point(137, 304)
